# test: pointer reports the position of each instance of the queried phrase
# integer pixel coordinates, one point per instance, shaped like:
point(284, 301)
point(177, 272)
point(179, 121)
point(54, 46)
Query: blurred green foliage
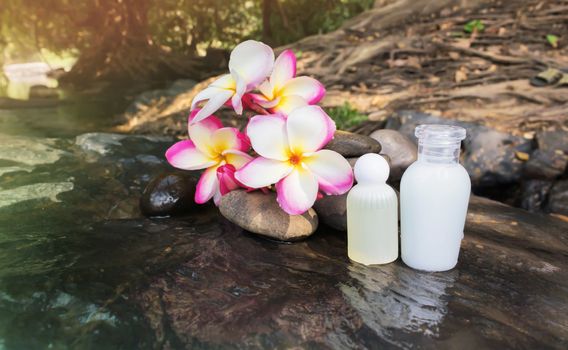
point(135, 33)
point(474, 25)
point(294, 19)
point(346, 116)
point(552, 40)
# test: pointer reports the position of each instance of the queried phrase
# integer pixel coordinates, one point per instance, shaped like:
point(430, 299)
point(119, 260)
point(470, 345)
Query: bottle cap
point(371, 168)
point(439, 133)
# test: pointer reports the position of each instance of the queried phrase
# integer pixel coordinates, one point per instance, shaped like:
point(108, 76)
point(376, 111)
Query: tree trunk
point(122, 49)
point(266, 13)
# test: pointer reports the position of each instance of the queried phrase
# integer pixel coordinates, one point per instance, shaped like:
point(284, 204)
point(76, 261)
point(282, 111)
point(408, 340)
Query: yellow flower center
point(295, 159)
point(220, 158)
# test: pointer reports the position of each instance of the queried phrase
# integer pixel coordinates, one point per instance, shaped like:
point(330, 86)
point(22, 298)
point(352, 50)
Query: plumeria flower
point(227, 181)
point(212, 147)
point(283, 91)
point(291, 157)
point(250, 63)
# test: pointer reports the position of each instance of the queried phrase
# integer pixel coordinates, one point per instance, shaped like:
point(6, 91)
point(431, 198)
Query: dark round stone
point(349, 144)
point(169, 194)
point(332, 211)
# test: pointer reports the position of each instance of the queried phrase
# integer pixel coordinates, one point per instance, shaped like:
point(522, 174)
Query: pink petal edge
point(332, 170)
point(207, 185)
point(193, 159)
point(284, 68)
point(289, 199)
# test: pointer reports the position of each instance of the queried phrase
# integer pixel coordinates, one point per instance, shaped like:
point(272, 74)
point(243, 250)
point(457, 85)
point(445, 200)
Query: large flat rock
point(223, 287)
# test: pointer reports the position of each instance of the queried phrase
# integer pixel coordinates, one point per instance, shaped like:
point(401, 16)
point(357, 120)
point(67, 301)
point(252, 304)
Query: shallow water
point(60, 176)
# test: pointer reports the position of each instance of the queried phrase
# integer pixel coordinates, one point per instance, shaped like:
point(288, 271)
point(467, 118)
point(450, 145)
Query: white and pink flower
point(250, 64)
point(217, 149)
point(291, 156)
point(283, 91)
point(288, 137)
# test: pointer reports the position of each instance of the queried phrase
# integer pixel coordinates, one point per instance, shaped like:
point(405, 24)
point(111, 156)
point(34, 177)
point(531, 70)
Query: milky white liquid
point(433, 205)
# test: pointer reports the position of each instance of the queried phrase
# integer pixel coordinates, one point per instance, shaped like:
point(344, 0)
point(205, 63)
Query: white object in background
point(372, 213)
point(434, 194)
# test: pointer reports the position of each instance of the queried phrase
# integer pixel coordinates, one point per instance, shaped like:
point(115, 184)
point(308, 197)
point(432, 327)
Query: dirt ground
point(415, 54)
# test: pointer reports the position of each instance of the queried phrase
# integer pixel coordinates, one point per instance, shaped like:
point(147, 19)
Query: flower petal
point(217, 197)
point(267, 134)
point(262, 172)
point(207, 185)
point(228, 138)
point(226, 177)
point(286, 104)
point(184, 155)
point(262, 101)
point(240, 90)
point(216, 101)
point(284, 69)
point(212, 123)
point(266, 89)
point(297, 192)
point(309, 129)
point(225, 82)
point(237, 158)
point(253, 61)
point(201, 133)
point(308, 88)
point(333, 172)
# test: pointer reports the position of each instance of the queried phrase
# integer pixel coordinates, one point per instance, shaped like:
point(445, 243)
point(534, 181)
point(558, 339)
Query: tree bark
point(266, 13)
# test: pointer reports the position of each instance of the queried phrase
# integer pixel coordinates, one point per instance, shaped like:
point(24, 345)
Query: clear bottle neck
point(441, 154)
point(439, 143)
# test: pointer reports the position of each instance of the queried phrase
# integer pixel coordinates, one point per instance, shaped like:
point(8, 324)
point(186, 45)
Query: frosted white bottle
point(434, 194)
point(372, 214)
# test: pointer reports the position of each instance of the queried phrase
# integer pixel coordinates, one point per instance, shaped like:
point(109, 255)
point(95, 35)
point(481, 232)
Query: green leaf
point(346, 116)
point(472, 25)
point(552, 40)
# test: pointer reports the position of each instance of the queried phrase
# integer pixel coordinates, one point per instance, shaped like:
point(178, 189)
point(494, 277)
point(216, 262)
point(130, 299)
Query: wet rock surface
point(169, 194)
point(399, 148)
point(353, 145)
point(260, 213)
point(232, 290)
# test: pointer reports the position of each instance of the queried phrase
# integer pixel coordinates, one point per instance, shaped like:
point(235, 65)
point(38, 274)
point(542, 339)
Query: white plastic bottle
point(434, 194)
point(372, 213)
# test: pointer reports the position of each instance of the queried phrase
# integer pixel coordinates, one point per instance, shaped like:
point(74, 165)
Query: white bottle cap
point(371, 168)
